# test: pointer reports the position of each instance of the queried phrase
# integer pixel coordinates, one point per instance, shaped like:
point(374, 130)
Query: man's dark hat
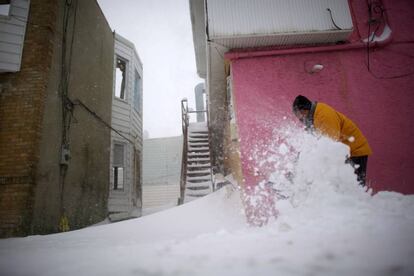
point(301, 103)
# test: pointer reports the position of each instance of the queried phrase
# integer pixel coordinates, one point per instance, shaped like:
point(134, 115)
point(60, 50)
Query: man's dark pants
point(359, 163)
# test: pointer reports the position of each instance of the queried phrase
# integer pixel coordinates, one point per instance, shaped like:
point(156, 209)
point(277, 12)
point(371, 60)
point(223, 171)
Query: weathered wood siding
point(12, 33)
point(128, 122)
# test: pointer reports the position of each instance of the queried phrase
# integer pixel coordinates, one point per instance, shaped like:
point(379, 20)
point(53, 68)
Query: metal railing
point(185, 121)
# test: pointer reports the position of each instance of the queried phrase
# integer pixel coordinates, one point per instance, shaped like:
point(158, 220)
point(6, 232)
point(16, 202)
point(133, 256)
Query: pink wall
point(382, 106)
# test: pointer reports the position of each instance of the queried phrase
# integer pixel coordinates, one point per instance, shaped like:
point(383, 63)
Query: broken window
point(118, 167)
point(137, 92)
point(5, 7)
point(120, 76)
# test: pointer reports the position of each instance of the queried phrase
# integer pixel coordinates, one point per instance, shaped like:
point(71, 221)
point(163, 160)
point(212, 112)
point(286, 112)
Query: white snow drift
point(328, 226)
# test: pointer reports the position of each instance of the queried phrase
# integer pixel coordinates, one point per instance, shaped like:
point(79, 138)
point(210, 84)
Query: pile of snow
point(326, 225)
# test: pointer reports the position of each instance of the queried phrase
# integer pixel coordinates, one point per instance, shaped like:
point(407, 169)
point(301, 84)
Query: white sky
point(161, 32)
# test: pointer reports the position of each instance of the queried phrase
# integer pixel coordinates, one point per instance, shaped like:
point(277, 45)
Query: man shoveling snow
point(327, 121)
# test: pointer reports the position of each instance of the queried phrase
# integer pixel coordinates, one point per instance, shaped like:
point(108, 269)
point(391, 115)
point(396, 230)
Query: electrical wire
point(332, 19)
point(379, 9)
point(100, 119)
point(66, 105)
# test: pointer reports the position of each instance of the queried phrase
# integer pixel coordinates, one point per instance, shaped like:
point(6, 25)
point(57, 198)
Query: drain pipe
point(199, 100)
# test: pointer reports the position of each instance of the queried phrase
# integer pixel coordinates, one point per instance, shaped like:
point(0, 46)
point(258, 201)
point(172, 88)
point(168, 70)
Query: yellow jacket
point(336, 125)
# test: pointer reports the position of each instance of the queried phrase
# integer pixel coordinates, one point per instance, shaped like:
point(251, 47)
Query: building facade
point(354, 55)
point(55, 94)
point(161, 172)
point(125, 196)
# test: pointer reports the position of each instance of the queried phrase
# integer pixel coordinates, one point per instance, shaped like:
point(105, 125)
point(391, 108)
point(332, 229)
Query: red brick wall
point(22, 97)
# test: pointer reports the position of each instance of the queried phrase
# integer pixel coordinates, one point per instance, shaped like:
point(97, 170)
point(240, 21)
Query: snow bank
point(327, 225)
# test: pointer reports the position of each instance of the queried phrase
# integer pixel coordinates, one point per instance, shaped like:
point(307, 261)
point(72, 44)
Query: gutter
point(372, 42)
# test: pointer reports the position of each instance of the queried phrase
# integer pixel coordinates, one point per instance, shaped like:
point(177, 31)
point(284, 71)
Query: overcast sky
point(161, 32)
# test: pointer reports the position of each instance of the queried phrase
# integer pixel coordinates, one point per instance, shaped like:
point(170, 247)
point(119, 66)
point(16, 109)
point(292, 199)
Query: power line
point(93, 113)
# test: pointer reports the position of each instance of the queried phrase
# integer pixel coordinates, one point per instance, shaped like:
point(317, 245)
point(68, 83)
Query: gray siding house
point(13, 18)
point(126, 142)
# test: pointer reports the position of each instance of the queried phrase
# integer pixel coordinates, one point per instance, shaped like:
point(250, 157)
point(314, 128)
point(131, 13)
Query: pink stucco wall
point(381, 105)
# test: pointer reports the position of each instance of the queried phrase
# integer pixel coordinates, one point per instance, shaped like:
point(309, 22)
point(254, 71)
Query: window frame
point(137, 92)
point(7, 3)
point(125, 78)
point(114, 185)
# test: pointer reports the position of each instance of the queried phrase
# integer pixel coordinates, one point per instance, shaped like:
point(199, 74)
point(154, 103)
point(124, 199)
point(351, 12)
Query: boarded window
point(5, 7)
point(137, 92)
point(118, 167)
point(120, 78)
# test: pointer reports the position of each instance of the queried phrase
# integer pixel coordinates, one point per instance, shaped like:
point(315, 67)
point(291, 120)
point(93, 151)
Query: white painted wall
point(161, 171)
point(12, 33)
point(160, 196)
point(247, 23)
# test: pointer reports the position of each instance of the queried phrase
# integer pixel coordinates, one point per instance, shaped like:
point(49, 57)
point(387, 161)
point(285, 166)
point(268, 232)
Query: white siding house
point(161, 172)
point(246, 23)
point(126, 147)
point(13, 18)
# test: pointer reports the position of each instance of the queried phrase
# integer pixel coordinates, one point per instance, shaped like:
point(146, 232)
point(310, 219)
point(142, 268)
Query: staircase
point(196, 173)
point(198, 177)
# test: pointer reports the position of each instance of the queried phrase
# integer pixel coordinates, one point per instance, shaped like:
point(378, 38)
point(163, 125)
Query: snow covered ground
point(327, 226)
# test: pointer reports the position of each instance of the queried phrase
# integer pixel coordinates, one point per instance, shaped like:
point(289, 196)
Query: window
point(5, 7)
point(120, 76)
point(137, 92)
point(118, 167)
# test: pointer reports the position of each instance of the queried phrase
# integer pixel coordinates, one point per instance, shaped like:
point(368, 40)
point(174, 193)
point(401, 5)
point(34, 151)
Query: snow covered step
point(198, 145)
point(198, 159)
point(194, 153)
point(204, 165)
point(196, 140)
point(206, 177)
point(198, 162)
point(198, 179)
point(206, 184)
point(199, 148)
point(199, 151)
point(198, 170)
point(202, 171)
point(198, 154)
point(198, 126)
point(203, 132)
point(199, 139)
point(198, 135)
point(196, 193)
point(198, 174)
point(188, 198)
